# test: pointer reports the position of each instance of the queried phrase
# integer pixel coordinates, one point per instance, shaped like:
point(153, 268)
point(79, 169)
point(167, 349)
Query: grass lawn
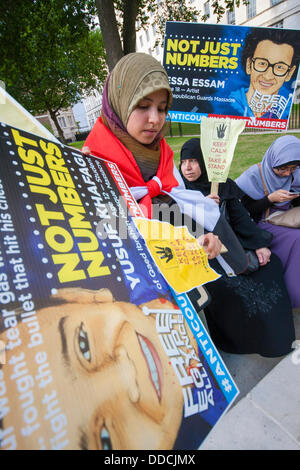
point(77, 145)
point(250, 148)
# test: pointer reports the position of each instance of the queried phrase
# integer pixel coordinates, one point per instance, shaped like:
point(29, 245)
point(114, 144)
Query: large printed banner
point(231, 71)
point(97, 352)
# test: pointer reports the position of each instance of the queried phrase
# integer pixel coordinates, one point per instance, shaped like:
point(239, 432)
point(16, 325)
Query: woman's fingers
point(263, 255)
point(86, 150)
point(211, 244)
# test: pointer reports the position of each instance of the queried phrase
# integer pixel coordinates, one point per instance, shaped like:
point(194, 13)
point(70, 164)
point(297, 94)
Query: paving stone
point(266, 416)
point(247, 427)
point(248, 369)
point(278, 394)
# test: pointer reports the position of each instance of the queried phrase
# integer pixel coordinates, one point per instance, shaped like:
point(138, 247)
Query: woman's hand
point(215, 198)
point(86, 150)
point(211, 244)
point(263, 255)
point(281, 195)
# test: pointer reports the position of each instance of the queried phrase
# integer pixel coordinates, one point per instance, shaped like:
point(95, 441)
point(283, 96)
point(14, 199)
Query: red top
point(104, 144)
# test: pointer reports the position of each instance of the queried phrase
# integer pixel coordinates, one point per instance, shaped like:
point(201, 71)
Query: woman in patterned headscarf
point(276, 187)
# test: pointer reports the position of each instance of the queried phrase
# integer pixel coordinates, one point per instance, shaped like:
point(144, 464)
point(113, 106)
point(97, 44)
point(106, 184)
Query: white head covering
point(283, 151)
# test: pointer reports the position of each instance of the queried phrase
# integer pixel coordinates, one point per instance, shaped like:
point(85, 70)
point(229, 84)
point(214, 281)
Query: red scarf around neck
point(104, 144)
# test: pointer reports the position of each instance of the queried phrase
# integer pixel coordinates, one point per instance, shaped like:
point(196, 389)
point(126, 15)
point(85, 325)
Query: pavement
point(266, 414)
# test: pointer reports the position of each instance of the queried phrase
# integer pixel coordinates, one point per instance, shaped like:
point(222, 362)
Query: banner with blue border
point(240, 72)
point(207, 347)
point(96, 346)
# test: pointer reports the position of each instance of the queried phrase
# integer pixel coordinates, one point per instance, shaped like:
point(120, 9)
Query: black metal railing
point(294, 122)
point(180, 130)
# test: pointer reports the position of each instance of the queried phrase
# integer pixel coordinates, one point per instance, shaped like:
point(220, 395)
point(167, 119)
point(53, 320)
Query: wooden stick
point(223, 249)
point(214, 188)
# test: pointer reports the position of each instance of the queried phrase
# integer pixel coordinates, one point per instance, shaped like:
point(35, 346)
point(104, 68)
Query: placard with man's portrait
point(231, 71)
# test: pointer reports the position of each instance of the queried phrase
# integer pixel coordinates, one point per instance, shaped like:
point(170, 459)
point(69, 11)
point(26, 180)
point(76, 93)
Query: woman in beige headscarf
point(130, 132)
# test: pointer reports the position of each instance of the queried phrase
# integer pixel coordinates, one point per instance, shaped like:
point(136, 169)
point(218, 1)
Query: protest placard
point(240, 72)
point(218, 140)
point(99, 353)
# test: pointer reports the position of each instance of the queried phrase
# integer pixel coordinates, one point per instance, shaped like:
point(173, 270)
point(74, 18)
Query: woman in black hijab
point(248, 313)
point(194, 174)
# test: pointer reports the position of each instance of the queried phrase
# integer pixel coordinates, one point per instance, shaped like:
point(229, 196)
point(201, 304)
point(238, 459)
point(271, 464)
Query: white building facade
point(273, 13)
point(79, 118)
point(87, 110)
point(92, 104)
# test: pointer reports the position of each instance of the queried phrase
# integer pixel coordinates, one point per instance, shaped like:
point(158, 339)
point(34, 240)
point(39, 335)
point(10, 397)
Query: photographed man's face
point(267, 83)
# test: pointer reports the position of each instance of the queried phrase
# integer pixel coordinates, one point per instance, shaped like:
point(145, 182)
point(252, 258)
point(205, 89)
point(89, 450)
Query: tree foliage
point(118, 20)
point(50, 52)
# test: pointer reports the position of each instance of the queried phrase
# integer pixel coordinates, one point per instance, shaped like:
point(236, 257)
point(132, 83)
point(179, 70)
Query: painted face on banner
point(105, 381)
point(269, 67)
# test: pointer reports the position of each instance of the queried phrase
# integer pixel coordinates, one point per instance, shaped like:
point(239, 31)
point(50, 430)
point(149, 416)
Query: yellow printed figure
point(178, 255)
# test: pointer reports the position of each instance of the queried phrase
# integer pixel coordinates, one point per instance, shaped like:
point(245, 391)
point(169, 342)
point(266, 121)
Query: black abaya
point(247, 313)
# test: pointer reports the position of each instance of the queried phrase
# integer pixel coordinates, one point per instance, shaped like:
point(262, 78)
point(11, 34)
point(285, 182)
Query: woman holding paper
point(247, 313)
point(276, 187)
point(130, 132)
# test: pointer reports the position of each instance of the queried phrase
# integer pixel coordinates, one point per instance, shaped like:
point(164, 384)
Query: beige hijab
point(135, 76)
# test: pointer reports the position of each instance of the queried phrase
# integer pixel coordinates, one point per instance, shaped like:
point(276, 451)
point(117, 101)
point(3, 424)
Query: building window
point(206, 9)
point(62, 122)
point(231, 17)
point(278, 25)
point(141, 41)
point(147, 35)
point(251, 9)
point(274, 2)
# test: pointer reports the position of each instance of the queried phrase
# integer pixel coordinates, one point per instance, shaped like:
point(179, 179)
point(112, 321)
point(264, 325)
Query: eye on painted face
point(191, 169)
point(148, 118)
